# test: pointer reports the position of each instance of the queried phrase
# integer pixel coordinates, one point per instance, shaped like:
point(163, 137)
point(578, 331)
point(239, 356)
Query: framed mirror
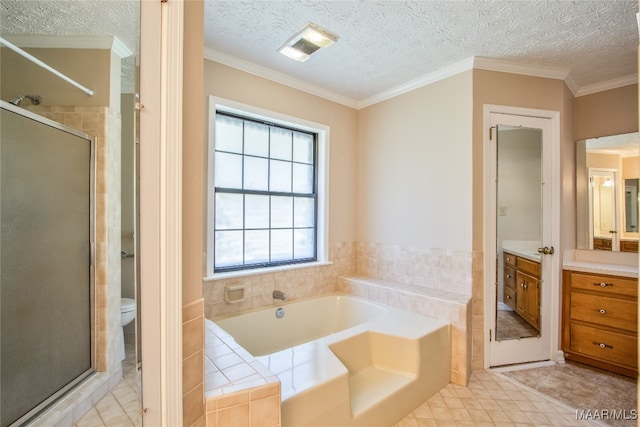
point(607, 177)
point(519, 226)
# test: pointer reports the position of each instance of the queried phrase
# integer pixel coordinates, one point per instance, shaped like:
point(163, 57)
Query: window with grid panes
point(265, 206)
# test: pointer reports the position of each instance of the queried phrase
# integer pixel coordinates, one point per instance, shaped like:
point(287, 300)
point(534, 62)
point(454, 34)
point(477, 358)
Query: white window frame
point(322, 230)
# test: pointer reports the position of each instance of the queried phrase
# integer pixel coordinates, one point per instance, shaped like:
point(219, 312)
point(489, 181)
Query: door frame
point(490, 215)
point(161, 39)
point(617, 214)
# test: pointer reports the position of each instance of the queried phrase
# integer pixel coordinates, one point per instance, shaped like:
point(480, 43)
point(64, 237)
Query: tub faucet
point(279, 295)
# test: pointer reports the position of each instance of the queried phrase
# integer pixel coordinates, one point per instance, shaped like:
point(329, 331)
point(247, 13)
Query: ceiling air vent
point(306, 42)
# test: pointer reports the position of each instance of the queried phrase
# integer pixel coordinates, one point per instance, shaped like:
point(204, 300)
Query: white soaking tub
point(262, 332)
point(346, 361)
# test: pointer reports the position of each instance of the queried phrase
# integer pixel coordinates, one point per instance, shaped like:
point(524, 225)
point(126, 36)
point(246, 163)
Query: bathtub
point(263, 332)
point(343, 360)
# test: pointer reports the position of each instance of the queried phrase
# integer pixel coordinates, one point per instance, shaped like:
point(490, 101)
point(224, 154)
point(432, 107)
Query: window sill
point(256, 271)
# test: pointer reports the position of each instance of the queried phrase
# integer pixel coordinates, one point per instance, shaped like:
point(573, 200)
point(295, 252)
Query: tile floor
point(490, 400)
point(119, 408)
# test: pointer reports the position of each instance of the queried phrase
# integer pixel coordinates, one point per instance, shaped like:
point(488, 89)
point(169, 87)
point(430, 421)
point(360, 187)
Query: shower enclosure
point(46, 261)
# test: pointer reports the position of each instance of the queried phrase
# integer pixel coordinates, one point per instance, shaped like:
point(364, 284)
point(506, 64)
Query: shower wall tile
point(102, 123)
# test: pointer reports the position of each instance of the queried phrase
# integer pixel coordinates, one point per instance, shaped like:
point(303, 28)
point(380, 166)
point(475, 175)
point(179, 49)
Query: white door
point(603, 216)
point(521, 307)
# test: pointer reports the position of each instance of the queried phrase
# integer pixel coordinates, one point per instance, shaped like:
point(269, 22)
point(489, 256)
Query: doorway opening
point(521, 234)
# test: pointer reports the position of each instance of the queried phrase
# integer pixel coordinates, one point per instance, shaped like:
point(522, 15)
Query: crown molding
point(608, 85)
point(490, 64)
point(70, 42)
point(474, 62)
point(425, 80)
point(276, 76)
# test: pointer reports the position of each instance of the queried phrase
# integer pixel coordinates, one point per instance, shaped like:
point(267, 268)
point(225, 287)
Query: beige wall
point(229, 83)
point(414, 167)
point(89, 67)
point(601, 160)
point(490, 87)
point(192, 217)
point(630, 167)
point(417, 170)
point(610, 112)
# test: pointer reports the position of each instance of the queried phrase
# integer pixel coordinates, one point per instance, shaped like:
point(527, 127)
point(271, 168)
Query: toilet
point(127, 314)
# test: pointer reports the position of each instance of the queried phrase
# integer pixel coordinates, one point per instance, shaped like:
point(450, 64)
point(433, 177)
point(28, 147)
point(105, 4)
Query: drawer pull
point(602, 345)
point(508, 276)
point(602, 311)
point(603, 284)
point(508, 296)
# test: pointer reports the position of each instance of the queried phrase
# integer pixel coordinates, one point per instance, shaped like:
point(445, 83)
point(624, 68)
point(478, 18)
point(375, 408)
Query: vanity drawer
point(602, 244)
point(605, 284)
point(527, 266)
point(605, 345)
point(510, 297)
point(603, 310)
point(510, 277)
point(629, 246)
point(509, 259)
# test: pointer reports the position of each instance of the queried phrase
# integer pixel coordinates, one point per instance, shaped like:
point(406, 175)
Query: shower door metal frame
point(92, 253)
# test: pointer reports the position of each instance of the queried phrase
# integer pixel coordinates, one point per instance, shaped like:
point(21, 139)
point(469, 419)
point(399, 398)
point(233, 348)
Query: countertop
point(602, 262)
point(523, 248)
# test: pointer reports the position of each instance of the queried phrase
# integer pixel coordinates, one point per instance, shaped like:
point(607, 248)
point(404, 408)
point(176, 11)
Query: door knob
point(546, 250)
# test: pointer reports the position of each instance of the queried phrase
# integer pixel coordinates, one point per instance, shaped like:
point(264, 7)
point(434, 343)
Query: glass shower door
point(45, 262)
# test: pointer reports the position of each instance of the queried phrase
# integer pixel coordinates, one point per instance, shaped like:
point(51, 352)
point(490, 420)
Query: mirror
point(607, 176)
point(631, 205)
point(518, 231)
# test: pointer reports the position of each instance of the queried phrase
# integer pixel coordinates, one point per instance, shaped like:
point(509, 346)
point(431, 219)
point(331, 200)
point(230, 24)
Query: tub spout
point(279, 295)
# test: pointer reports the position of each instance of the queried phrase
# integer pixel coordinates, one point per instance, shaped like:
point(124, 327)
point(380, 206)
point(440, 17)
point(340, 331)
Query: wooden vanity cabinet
point(509, 275)
point(522, 287)
point(602, 244)
point(628, 246)
point(600, 321)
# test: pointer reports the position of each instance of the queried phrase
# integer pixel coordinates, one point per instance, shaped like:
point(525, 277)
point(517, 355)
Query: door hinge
point(491, 133)
point(490, 331)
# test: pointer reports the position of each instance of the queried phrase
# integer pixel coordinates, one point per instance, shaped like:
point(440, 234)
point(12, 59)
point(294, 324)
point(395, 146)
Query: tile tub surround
point(353, 377)
point(239, 390)
point(193, 405)
point(298, 282)
point(438, 269)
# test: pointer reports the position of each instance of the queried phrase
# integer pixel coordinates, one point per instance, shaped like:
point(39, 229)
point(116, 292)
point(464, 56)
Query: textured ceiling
point(120, 18)
point(625, 144)
point(383, 44)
